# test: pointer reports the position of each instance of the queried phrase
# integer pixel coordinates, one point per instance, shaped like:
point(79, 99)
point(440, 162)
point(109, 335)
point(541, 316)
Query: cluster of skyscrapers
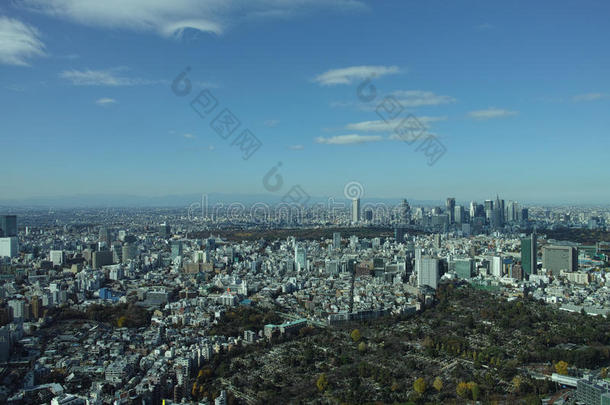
point(492, 215)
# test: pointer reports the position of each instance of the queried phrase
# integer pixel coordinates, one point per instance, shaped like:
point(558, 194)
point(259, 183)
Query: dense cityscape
point(153, 305)
point(304, 202)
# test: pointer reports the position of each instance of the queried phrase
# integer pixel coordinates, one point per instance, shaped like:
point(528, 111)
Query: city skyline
point(304, 201)
point(519, 99)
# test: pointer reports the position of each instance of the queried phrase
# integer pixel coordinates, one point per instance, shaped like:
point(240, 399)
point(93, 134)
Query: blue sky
point(517, 92)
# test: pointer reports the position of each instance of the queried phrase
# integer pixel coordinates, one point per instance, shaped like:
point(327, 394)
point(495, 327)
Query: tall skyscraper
point(458, 215)
point(524, 217)
point(300, 257)
point(529, 254)
point(510, 214)
point(497, 219)
point(8, 226)
point(418, 255)
point(105, 235)
point(473, 209)
point(405, 212)
point(336, 240)
point(497, 266)
point(450, 208)
point(356, 210)
point(117, 252)
point(176, 248)
point(479, 211)
point(489, 208)
point(36, 305)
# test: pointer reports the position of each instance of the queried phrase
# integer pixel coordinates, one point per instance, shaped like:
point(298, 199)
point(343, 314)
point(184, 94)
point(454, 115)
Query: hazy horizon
point(95, 102)
point(183, 200)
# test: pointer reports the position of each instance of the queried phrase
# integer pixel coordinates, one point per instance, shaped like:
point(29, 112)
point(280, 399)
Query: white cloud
point(272, 123)
point(418, 98)
point(211, 147)
point(172, 18)
point(389, 126)
point(589, 96)
point(104, 101)
point(296, 147)
point(19, 42)
point(108, 77)
point(491, 113)
point(189, 136)
point(349, 139)
point(349, 74)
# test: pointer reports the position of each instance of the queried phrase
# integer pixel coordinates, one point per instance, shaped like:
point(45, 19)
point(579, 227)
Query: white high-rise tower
point(356, 210)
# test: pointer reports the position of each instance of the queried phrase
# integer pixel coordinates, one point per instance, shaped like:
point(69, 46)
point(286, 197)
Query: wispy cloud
point(550, 99)
point(104, 101)
point(389, 126)
point(108, 77)
point(272, 123)
point(418, 98)
point(589, 97)
point(19, 42)
point(189, 136)
point(173, 18)
point(406, 98)
point(340, 104)
point(491, 113)
point(16, 87)
point(296, 147)
point(358, 139)
point(350, 74)
point(410, 137)
point(349, 139)
point(484, 27)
